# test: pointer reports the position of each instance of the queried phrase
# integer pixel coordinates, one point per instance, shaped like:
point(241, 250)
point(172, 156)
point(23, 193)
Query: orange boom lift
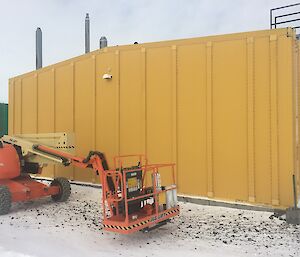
point(133, 197)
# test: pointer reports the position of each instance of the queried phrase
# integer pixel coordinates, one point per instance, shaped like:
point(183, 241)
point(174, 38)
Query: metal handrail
point(273, 24)
point(285, 6)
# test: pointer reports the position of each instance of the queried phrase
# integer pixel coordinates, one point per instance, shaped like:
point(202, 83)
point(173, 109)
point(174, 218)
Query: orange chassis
point(24, 188)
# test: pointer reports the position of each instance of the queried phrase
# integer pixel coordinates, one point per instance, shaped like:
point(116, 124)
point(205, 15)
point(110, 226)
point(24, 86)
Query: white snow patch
point(5, 253)
point(73, 229)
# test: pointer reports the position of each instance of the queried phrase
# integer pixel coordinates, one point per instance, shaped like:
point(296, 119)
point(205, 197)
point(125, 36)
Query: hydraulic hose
point(100, 155)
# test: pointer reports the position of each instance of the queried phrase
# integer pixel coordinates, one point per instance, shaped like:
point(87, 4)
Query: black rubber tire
point(65, 189)
point(5, 200)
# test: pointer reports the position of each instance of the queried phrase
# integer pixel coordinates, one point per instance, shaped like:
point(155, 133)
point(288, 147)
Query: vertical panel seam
point(54, 100)
point(54, 112)
point(209, 119)
point(73, 108)
point(297, 171)
point(94, 103)
point(21, 103)
point(274, 119)
point(13, 108)
point(295, 106)
point(250, 100)
point(73, 94)
point(117, 53)
point(145, 120)
point(254, 119)
point(36, 79)
point(144, 102)
point(94, 109)
point(174, 110)
point(146, 106)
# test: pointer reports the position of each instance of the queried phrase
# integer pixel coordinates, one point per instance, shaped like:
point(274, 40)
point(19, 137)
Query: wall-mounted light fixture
point(107, 76)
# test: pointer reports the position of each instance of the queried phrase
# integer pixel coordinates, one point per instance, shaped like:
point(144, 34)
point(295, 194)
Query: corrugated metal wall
point(221, 107)
point(3, 119)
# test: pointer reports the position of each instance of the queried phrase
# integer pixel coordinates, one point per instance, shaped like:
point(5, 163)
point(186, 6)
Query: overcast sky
point(121, 21)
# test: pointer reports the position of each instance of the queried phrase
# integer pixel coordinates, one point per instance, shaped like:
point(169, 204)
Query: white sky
point(121, 21)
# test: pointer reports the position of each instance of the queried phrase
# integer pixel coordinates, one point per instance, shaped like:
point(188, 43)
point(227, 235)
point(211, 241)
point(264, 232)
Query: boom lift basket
point(133, 197)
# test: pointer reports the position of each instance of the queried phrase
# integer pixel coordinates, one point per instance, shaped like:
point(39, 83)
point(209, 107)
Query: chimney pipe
point(87, 33)
point(38, 49)
point(103, 42)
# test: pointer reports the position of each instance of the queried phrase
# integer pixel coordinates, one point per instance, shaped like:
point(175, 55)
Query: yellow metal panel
point(262, 122)
point(297, 121)
point(64, 100)
point(11, 108)
point(191, 100)
point(45, 109)
point(17, 107)
point(174, 122)
point(131, 101)
point(229, 96)
point(274, 118)
point(209, 117)
point(159, 105)
point(286, 118)
point(250, 118)
point(297, 107)
point(29, 104)
point(45, 101)
point(107, 106)
point(83, 95)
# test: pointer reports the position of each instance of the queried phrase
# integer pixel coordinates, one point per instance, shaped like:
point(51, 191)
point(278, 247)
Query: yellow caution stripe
point(127, 227)
point(142, 223)
point(172, 211)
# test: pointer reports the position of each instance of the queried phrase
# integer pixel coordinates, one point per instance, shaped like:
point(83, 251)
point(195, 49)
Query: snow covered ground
point(46, 229)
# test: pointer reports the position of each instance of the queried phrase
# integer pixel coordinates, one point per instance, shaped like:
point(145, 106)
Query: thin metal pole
point(271, 19)
point(295, 191)
point(38, 49)
point(87, 33)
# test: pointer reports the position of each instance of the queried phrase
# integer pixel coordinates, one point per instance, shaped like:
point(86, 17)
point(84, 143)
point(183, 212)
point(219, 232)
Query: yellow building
point(223, 108)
